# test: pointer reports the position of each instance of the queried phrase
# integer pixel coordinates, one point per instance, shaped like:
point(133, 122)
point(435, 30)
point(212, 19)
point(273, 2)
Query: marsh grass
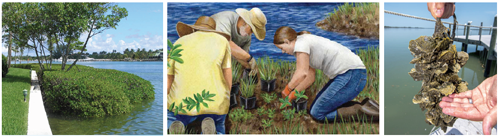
point(360, 19)
point(370, 57)
point(247, 87)
point(267, 68)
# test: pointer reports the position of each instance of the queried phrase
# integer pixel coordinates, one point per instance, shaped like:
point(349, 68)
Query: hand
point(253, 66)
point(483, 107)
point(441, 10)
point(286, 91)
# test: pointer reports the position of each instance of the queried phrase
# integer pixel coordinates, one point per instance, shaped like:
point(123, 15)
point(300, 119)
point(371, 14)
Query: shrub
point(5, 68)
point(93, 92)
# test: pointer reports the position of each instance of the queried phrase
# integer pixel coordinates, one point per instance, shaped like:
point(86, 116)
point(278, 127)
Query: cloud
point(106, 43)
point(156, 10)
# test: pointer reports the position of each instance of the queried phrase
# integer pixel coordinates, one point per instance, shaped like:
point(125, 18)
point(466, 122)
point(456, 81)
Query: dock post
point(465, 28)
point(465, 44)
point(491, 57)
point(480, 29)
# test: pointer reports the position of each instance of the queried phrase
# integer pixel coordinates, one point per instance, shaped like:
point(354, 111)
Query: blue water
point(145, 119)
point(402, 117)
point(299, 16)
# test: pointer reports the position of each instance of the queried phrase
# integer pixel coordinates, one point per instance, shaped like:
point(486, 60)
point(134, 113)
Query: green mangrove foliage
point(192, 102)
point(93, 92)
point(268, 98)
point(174, 53)
point(300, 95)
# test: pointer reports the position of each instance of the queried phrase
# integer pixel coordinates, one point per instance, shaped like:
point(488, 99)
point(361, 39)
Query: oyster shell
point(437, 63)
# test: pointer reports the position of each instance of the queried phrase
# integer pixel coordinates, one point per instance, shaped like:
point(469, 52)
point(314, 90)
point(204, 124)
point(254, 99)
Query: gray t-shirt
point(226, 22)
point(329, 56)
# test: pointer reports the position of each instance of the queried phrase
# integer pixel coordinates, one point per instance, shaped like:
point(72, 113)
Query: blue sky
point(475, 12)
point(142, 28)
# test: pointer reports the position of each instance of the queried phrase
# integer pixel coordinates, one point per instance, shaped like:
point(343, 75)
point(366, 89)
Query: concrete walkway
point(38, 124)
point(464, 127)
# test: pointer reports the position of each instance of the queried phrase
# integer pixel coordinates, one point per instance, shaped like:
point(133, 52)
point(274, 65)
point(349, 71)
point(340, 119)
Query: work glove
point(286, 91)
point(253, 66)
point(292, 96)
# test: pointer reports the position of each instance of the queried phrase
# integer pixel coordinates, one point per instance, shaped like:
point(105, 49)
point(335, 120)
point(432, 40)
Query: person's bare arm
point(239, 54)
point(170, 79)
point(228, 76)
point(302, 70)
point(308, 81)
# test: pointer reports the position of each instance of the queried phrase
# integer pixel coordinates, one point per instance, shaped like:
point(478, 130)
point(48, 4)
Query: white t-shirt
point(329, 56)
point(226, 22)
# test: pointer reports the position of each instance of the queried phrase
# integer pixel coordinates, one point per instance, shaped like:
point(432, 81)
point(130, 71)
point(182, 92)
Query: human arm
point(300, 74)
point(483, 106)
point(441, 9)
point(244, 58)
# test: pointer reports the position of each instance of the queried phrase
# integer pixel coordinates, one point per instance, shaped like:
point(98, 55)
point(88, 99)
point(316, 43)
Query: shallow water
point(401, 115)
point(145, 119)
point(299, 16)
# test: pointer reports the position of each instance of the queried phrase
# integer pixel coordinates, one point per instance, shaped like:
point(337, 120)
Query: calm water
point(299, 16)
point(145, 119)
point(401, 115)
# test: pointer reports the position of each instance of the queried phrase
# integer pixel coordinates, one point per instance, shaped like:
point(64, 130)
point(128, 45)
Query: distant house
point(158, 55)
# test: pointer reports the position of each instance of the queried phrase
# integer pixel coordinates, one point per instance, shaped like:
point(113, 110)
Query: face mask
point(242, 30)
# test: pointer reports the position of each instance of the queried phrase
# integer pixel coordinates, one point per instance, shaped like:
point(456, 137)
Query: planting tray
point(267, 86)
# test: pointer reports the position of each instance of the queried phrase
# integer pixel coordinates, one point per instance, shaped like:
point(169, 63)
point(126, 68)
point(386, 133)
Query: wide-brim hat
point(204, 23)
point(256, 19)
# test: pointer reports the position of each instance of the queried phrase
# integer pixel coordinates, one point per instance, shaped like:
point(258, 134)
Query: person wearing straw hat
point(206, 67)
point(241, 24)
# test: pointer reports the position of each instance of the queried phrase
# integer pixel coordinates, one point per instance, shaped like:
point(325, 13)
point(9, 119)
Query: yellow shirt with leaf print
point(205, 54)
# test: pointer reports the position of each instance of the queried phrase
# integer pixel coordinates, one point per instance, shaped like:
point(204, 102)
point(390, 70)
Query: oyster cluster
point(437, 63)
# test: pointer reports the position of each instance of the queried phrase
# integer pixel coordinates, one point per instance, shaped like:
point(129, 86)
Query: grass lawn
point(14, 109)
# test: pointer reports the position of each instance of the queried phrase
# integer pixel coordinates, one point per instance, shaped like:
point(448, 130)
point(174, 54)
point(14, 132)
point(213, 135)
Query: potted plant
point(267, 72)
point(236, 71)
point(247, 98)
point(301, 102)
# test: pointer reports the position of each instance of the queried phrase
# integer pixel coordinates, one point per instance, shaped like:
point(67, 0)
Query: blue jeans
point(186, 119)
point(337, 91)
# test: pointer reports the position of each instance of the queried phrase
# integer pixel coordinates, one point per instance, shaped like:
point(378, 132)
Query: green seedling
point(267, 123)
point(288, 114)
point(261, 111)
point(285, 102)
point(247, 87)
point(270, 113)
point(197, 100)
point(240, 115)
point(267, 68)
point(302, 113)
point(268, 98)
point(236, 70)
point(174, 53)
point(300, 95)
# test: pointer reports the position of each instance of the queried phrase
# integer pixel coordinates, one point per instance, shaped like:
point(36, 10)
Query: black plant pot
point(249, 102)
point(234, 92)
point(267, 86)
point(300, 105)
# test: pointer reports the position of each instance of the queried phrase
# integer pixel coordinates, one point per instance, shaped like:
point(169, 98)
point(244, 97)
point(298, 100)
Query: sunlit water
point(299, 16)
point(401, 115)
point(145, 119)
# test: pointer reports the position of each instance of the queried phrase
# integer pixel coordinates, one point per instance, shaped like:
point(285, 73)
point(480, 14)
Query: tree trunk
point(10, 49)
point(84, 46)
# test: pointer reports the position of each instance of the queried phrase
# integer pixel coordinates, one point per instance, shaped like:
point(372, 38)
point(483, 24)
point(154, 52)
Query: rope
point(432, 20)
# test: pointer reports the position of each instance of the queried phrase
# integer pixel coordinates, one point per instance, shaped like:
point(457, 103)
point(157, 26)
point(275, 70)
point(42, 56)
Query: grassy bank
point(14, 109)
point(359, 19)
point(90, 92)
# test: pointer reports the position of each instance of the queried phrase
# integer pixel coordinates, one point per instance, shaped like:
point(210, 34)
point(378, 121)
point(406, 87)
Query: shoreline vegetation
point(359, 19)
point(14, 109)
point(90, 92)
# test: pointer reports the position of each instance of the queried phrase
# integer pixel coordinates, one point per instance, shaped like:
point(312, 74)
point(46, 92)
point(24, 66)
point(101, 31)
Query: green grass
point(370, 58)
point(14, 109)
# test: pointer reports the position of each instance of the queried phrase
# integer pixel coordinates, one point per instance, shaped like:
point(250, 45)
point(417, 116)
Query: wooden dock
point(464, 127)
point(474, 40)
